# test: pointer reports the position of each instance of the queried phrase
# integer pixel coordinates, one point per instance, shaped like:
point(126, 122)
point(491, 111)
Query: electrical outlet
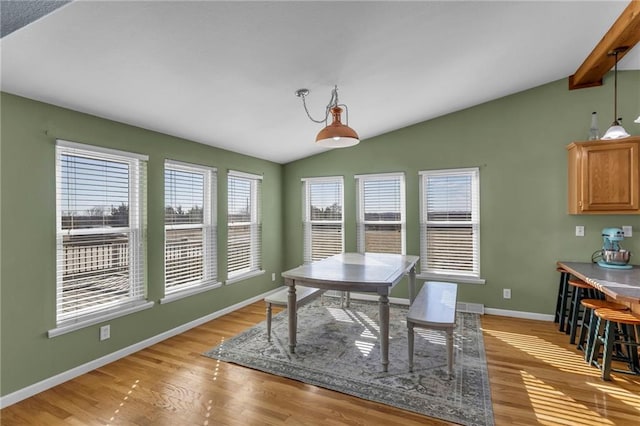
point(273, 276)
point(628, 231)
point(506, 293)
point(579, 231)
point(105, 332)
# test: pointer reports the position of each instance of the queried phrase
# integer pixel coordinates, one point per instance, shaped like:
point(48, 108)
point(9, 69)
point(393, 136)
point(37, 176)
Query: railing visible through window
point(322, 217)
point(190, 231)
point(244, 242)
point(450, 222)
point(381, 223)
point(100, 217)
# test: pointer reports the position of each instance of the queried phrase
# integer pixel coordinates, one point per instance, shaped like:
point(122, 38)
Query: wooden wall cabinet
point(604, 176)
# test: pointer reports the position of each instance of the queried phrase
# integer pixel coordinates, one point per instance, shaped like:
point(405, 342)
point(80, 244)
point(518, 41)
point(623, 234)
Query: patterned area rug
point(339, 349)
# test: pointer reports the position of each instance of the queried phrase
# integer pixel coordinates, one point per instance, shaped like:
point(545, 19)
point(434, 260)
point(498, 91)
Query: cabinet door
point(610, 177)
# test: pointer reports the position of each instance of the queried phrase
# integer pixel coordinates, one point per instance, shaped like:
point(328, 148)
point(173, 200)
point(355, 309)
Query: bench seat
point(280, 298)
point(434, 308)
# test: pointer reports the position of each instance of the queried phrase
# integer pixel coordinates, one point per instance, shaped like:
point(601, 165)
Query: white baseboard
point(518, 314)
point(50, 382)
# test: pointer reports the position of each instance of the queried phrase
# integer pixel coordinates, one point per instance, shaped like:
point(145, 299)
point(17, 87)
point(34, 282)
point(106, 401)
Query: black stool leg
point(561, 295)
point(566, 296)
point(575, 314)
point(594, 354)
point(593, 321)
point(607, 352)
point(586, 325)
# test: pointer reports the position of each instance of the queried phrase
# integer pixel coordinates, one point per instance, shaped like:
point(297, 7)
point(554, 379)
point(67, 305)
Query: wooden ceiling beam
point(624, 32)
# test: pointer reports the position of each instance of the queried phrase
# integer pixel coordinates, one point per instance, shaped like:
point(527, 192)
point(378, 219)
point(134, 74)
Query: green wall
point(28, 286)
point(518, 142)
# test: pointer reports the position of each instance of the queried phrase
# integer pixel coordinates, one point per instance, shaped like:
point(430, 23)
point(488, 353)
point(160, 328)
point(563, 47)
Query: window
point(100, 221)
point(450, 222)
point(190, 226)
point(381, 213)
point(244, 242)
point(322, 217)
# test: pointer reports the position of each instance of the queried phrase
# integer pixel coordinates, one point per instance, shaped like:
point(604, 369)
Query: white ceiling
point(225, 73)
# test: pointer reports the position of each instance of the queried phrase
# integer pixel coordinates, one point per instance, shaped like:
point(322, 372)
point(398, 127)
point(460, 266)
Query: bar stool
point(564, 298)
point(581, 290)
point(630, 325)
point(588, 329)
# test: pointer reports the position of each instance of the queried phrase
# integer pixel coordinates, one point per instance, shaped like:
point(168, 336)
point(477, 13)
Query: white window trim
point(241, 276)
point(471, 278)
point(306, 209)
point(137, 222)
point(210, 269)
point(102, 317)
point(361, 222)
point(256, 212)
point(190, 291)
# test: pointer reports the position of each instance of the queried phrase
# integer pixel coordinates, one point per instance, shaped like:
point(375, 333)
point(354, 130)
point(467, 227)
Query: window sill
point(102, 317)
point(189, 291)
point(461, 279)
point(244, 276)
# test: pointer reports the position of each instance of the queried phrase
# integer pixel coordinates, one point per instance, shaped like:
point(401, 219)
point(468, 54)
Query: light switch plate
point(628, 231)
point(579, 231)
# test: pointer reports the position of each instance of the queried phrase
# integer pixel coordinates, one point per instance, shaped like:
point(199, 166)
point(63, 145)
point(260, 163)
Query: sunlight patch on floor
point(124, 401)
point(629, 398)
point(551, 354)
point(340, 315)
point(552, 406)
point(432, 336)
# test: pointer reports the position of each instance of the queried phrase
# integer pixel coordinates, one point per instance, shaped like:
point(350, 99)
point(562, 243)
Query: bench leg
point(268, 321)
point(410, 344)
point(450, 352)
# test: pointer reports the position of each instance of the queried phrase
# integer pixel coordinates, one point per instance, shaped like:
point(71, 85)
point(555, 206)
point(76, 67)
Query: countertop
point(619, 284)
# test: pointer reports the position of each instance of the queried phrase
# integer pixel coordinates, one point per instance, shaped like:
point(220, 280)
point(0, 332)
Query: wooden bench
point(434, 308)
point(280, 297)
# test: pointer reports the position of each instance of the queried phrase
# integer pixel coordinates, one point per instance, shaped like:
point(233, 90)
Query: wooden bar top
point(619, 284)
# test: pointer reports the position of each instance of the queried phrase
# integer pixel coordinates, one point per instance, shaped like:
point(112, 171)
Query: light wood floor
point(536, 378)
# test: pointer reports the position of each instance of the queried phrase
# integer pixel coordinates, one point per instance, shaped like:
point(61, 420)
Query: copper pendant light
point(336, 134)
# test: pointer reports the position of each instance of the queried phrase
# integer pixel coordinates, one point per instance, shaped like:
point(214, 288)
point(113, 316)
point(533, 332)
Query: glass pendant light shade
point(637, 120)
point(616, 131)
point(336, 134)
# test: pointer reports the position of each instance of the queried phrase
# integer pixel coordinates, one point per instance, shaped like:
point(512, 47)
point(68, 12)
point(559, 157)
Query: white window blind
point(381, 223)
point(244, 242)
point(100, 222)
point(322, 217)
point(450, 222)
point(190, 226)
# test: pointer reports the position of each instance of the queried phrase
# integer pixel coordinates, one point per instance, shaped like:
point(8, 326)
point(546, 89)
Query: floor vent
point(474, 308)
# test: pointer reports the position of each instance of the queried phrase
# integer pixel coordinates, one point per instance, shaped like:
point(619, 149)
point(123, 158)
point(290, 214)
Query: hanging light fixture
point(336, 134)
point(637, 120)
point(616, 131)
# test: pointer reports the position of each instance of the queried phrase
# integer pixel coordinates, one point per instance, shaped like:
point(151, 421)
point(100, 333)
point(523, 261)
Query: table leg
point(384, 331)
point(412, 284)
point(293, 321)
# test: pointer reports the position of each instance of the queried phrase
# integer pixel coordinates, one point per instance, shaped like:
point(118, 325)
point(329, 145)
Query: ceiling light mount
point(616, 131)
point(336, 134)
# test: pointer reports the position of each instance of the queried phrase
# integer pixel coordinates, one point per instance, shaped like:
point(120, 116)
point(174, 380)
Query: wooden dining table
point(362, 272)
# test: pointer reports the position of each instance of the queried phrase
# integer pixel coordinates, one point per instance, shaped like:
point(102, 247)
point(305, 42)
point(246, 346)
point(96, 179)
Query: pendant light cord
point(615, 87)
point(333, 102)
